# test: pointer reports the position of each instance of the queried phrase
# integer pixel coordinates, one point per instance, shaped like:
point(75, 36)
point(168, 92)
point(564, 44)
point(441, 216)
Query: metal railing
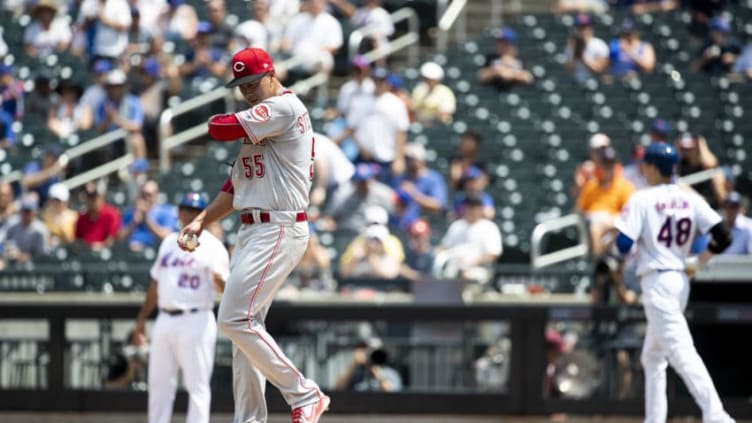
point(449, 15)
point(407, 40)
point(539, 260)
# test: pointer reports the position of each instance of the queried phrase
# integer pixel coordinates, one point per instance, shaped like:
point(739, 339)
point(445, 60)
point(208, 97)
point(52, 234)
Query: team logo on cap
point(261, 113)
point(238, 66)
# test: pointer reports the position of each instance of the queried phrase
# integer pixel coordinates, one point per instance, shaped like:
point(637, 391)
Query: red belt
point(265, 217)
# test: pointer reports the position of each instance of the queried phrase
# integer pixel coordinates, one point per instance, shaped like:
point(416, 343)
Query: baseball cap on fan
point(249, 65)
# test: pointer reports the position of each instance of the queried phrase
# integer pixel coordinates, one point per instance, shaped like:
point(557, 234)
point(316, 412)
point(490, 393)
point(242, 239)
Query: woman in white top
point(47, 33)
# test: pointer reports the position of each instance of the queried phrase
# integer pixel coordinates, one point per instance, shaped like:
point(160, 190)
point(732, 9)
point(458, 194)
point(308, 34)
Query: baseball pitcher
point(269, 185)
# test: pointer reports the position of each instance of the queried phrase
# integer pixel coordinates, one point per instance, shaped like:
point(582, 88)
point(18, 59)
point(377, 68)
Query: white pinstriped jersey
point(274, 168)
point(663, 221)
point(185, 280)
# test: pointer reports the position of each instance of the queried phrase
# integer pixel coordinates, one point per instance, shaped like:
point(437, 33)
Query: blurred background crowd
point(416, 173)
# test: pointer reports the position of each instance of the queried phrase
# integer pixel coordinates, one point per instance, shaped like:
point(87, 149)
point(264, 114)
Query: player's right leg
point(163, 370)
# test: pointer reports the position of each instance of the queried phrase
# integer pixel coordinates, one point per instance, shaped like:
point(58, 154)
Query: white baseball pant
point(264, 256)
point(184, 342)
point(669, 341)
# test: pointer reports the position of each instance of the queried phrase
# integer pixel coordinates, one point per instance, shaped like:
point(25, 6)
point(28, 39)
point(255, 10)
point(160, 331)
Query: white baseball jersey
point(663, 221)
point(274, 168)
point(185, 280)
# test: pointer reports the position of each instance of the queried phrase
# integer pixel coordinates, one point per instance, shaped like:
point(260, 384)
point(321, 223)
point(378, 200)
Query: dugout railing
point(309, 329)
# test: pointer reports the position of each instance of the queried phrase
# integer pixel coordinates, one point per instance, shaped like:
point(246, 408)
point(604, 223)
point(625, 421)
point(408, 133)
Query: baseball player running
point(663, 219)
point(183, 286)
point(269, 185)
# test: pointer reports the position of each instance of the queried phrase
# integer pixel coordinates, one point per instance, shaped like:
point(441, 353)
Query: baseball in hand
point(190, 241)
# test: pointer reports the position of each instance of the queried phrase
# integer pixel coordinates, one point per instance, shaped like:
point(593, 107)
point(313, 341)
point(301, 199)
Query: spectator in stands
point(743, 64)
point(59, 219)
point(315, 35)
point(718, 56)
point(69, 115)
point(121, 110)
point(470, 247)
point(47, 33)
point(98, 223)
point(149, 221)
point(8, 205)
point(419, 252)
point(587, 55)
point(354, 102)
point(603, 197)
point(424, 188)
point(41, 99)
point(629, 55)
point(40, 175)
point(95, 94)
point(473, 184)
point(702, 14)
point(373, 260)
point(139, 37)
point(371, 15)
point(106, 24)
point(370, 371)
point(504, 69)
point(259, 31)
point(11, 93)
point(149, 12)
point(204, 60)
point(382, 134)
point(632, 171)
point(373, 216)
point(695, 156)
point(467, 156)
point(332, 170)
point(28, 237)
point(589, 168)
point(735, 208)
point(221, 33)
point(157, 84)
point(431, 100)
point(179, 21)
point(284, 10)
point(347, 208)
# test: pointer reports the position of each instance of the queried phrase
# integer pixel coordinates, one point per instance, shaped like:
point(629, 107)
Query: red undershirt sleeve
point(226, 128)
point(227, 187)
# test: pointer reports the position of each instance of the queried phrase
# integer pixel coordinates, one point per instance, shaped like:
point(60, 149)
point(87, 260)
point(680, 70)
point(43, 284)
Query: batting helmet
point(663, 156)
point(193, 200)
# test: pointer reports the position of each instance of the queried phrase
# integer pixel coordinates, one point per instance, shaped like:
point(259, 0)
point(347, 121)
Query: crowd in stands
point(371, 179)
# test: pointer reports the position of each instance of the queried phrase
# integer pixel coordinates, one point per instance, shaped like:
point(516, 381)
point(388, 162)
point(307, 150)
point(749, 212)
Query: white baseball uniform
point(271, 179)
point(185, 331)
point(663, 220)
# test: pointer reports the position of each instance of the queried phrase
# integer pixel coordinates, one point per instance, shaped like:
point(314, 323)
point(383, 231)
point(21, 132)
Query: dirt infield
point(333, 418)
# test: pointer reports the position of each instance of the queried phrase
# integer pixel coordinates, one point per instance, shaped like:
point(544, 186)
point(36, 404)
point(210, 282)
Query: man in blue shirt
point(120, 109)
point(40, 175)
point(422, 190)
point(149, 221)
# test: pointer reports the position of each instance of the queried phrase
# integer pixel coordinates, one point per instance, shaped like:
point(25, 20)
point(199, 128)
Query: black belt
point(178, 312)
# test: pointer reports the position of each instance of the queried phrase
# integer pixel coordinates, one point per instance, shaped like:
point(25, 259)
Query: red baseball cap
point(248, 65)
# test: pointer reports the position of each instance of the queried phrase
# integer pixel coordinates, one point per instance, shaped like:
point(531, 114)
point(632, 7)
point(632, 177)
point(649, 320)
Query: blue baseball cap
point(103, 66)
point(193, 200)
point(472, 172)
point(394, 81)
point(628, 25)
point(661, 127)
point(505, 34)
point(204, 27)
